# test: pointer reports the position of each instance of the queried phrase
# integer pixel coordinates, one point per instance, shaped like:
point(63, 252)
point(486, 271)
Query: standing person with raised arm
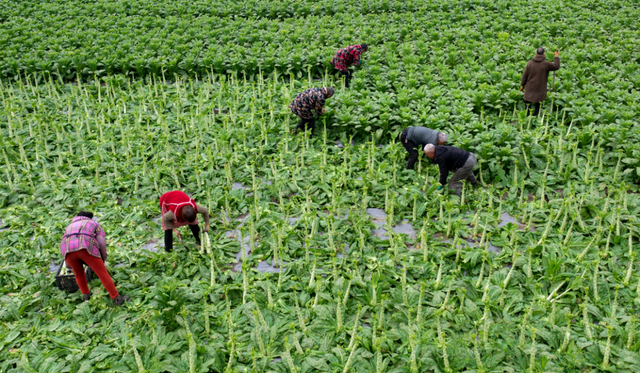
point(413, 137)
point(178, 209)
point(535, 77)
point(346, 57)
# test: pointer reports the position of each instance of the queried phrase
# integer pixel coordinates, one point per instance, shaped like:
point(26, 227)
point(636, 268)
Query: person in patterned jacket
point(310, 104)
point(346, 57)
point(84, 242)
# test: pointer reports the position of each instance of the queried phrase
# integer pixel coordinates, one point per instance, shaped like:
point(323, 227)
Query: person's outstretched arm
point(556, 63)
point(319, 104)
point(444, 173)
point(356, 57)
point(167, 219)
point(205, 215)
point(102, 242)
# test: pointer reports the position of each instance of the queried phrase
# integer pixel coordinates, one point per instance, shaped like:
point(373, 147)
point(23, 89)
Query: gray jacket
point(422, 135)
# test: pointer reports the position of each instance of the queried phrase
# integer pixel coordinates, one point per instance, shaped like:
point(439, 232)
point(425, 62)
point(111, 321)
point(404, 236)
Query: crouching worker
point(84, 242)
point(179, 209)
point(449, 158)
point(346, 57)
point(310, 104)
point(420, 136)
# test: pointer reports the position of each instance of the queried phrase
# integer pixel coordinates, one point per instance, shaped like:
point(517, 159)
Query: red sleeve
point(356, 57)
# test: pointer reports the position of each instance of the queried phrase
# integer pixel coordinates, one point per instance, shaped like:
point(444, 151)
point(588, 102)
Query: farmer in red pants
point(179, 209)
point(83, 242)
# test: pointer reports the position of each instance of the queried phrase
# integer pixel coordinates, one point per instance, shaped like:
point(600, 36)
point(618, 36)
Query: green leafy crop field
point(324, 254)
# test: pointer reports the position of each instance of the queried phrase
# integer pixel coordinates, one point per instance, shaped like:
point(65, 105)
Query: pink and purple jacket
point(82, 233)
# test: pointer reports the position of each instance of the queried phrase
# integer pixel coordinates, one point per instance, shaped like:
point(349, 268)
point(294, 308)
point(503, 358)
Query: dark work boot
point(120, 299)
point(86, 297)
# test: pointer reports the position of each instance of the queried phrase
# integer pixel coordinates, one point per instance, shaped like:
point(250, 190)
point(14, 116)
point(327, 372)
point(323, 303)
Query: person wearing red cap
point(178, 209)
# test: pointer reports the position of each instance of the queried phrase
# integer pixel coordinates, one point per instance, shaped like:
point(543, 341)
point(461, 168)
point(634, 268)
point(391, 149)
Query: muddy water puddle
point(405, 227)
point(378, 216)
point(152, 245)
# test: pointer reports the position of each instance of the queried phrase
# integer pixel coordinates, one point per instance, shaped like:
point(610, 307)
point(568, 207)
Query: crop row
point(391, 93)
point(280, 9)
point(116, 43)
point(283, 9)
point(260, 111)
point(433, 68)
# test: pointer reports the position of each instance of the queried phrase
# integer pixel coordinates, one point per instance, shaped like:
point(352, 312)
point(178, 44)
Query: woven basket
point(68, 282)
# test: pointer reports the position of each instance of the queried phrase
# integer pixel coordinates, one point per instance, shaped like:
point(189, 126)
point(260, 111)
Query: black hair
point(86, 214)
point(188, 213)
point(330, 91)
point(540, 50)
point(364, 46)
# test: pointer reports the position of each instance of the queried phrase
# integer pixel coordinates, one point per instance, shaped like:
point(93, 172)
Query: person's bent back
point(308, 105)
point(450, 158)
point(413, 137)
point(84, 242)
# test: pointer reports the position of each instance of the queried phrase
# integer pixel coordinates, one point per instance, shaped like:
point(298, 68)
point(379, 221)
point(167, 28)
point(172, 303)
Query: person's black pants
point(168, 237)
point(536, 107)
point(411, 148)
point(310, 125)
point(346, 75)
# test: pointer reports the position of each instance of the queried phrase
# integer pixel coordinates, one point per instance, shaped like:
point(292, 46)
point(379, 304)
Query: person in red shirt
point(346, 57)
point(179, 209)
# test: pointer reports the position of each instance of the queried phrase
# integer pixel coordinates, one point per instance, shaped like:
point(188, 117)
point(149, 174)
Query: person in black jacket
point(449, 158)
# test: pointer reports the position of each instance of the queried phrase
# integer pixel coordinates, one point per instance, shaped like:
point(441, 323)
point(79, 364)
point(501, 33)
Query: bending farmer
point(84, 242)
point(308, 104)
point(346, 57)
point(534, 79)
point(420, 136)
point(179, 209)
point(450, 158)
